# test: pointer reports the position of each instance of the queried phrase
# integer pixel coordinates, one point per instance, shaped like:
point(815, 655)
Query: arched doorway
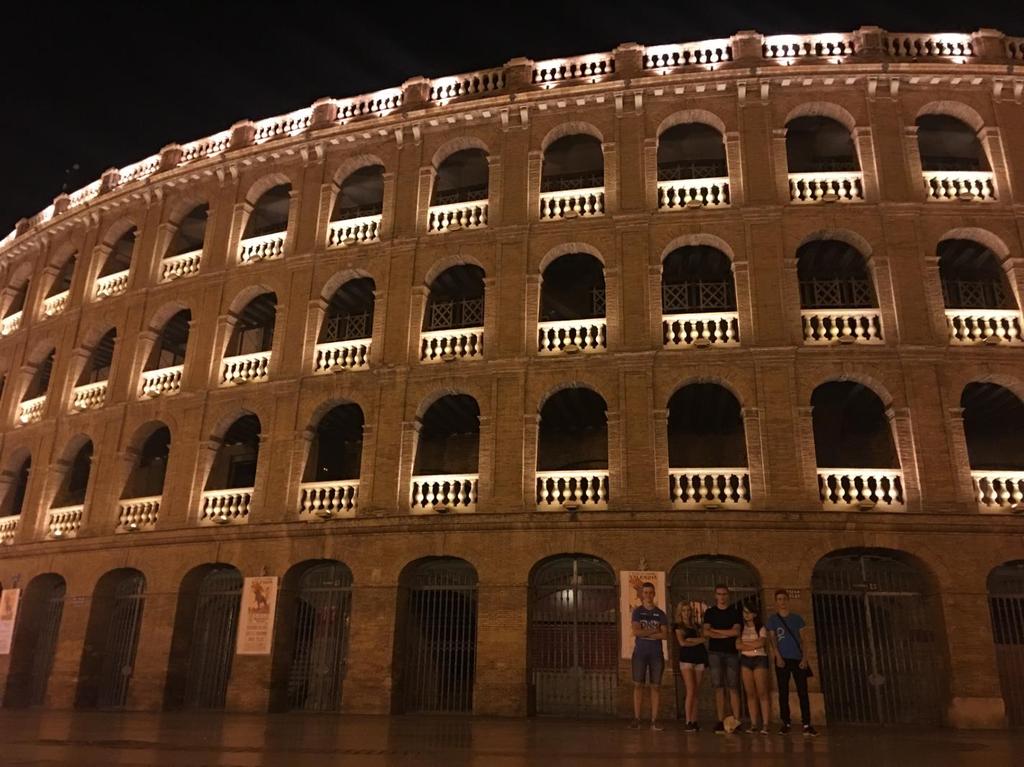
point(877, 645)
point(211, 636)
point(435, 647)
point(112, 637)
point(1006, 603)
point(35, 641)
point(573, 637)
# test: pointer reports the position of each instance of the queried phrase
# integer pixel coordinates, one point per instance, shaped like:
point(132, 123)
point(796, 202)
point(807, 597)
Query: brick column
point(500, 687)
point(495, 185)
point(992, 142)
point(790, 301)
point(425, 189)
point(759, 490)
point(961, 468)
point(419, 296)
point(915, 172)
point(486, 454)
point(1014, 268)
point(662, 462)
point(650, 171)
point(933, 298)
point(868, 166)
point(618, 485)
point(976, 700)
point(531, 445)
point(734, 167)
point(492, 348)
point(879, 266)
point(807, 456)
point(903, 437)
point(380, 311)
point(781, 165)
point(535, 161)
point(407, 462)
point(744, 302)
point(613, 309)
point(366, 472)
point(655, 330)
point(368, 678)
point(611, 177)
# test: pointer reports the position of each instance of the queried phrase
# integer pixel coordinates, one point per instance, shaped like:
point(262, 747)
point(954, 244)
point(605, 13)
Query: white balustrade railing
point(706, 52)
point(709, 488)
point(852, 326)
point(701, 329)
point(291, 124)
point(693, 193)
point(571, 203)
point(112, 285)
point(336, 498)
point(31, 410)
point(444, 492)
point(861, 488)
point(378, 103)
point(183, 265)
point(999, 488)
point(89, 396)
point(84, 195)
point(826, 186)
point(266, 246)
point(64, 522)
point(55, 304)
point(350, 231)
point(966, 185)
point(829, 45)
point(993, 326)
point(585, 489)
point(452, 344)
point(444, 89)
point(10, 323)
point(162, 381)
point(245, 368)
point(1014, 47)
point(8, 528)
point(915, 46)
point(138, 513)
point(205, 147)
point(138, 170)
point(224, 507)
point(592, 66)
point(456, 216)
point(342, 355)
point(570, 336)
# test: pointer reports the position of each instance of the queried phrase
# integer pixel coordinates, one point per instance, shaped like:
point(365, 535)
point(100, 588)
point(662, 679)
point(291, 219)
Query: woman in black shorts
point(753, 646)
point(693, 659)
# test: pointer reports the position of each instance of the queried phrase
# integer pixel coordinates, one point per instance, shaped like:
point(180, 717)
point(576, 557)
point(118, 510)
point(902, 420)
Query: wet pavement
point(85, 739)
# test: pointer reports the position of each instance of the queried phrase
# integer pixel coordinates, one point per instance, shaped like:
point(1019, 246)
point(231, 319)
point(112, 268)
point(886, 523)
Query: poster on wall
point(256, 620)
point(630, 582)
point(8, 613)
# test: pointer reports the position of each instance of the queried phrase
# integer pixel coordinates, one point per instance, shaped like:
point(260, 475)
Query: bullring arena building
point(446, 358)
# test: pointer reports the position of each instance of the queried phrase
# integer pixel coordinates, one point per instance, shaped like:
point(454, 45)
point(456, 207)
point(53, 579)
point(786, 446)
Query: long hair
point(679, 615)
point(751, 607)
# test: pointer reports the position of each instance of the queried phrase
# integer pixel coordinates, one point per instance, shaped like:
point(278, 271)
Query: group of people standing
point(735, 645)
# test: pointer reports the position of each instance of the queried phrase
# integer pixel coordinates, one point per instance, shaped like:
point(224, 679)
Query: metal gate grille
point(574, 637)
point(876, 646)
point(213, 639)
point(1006, 603)
point(439, 637)
point(321, 638)
point(694, 581)
point(122, 641)
point(46, 644)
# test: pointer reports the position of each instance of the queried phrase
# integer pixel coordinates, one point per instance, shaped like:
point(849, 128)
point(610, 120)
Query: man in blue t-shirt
point(650, 627)
point(784, 636)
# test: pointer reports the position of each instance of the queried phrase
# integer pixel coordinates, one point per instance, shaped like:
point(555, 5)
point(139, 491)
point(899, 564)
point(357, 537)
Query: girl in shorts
point(693, 658)
point(753, 646)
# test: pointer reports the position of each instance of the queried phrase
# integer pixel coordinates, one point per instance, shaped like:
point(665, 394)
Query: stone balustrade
point(374, 104)
point(245, 368)
point(444, 89)
point(832, 46)
point(64, 522)
point(334, 356)
point(571, 336)
point(89, 396)
point(850, 326)
point(1014, 47)
point(8, 529)
point(175, 267)
point(112, 285)
point(998, 489)
point(693, 193)
point(138, 170)
point(572, 203)
point(162, 381)
point(579, 489)
point(55, 304)
point(444, 492)
point(865, 489)
point(291, 124)
point(993, 326)
point(826, 186)
point(709, 488)
point(450, 345)
point(225, 507)
point(917, 46)
point(10, 323)
point(205, 147)
point(456, 216)
point(701, 329)
point(705, 53)
point(592, 67)
point(138, 513)
point(31, 410)
point(963, 185)
point(332, 499)
point(266, 246)
point(351, 231)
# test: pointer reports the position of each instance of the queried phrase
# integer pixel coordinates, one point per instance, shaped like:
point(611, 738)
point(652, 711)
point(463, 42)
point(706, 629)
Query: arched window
point(90, 390)
point(186, 248)
point(993, 422)
point(161, 374)
point(140, 498)
point(356, 216)
point(980, 304)
point(1006, 606)
point(822, 160)
point(445, 472)
point(459, 198)
point(229, 485)
point(572, 305)
point(572, 451)
point(453, 321)
point(692, 169)
point(14, 297)
point(347, 329)
point(954, 163)
point(65, 515)
point(837, 295)
point(330, 482)
point(57, 296)
point(247, 356)
point(34, 648)
point(113, 274)
point(698, 298)
point(33, 401)
point(15, 487)
point(572, 178)
point(267, 226)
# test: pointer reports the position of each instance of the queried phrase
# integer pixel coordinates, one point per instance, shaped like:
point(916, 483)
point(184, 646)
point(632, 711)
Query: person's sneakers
point(696, 726)
point(785, 728)
point(690, 727)
point(810, 732)
point(719, 728)
point(764, 730)
point(656, 726)
point(634, 724)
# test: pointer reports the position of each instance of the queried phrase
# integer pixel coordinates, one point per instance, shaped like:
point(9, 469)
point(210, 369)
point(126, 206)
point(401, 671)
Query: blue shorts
point(648, 665)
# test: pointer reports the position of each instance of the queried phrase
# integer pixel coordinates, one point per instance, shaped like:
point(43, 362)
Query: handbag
point(796, 638)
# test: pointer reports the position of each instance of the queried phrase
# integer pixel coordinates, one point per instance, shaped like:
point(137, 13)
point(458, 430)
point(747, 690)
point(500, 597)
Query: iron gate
point(45, 645)
point(439, 637)
point(1006, 603)
point(213, 639)
point(876, 645)
point(321, 638)
point(573, 637)
point(694, 581)
point(118, 660)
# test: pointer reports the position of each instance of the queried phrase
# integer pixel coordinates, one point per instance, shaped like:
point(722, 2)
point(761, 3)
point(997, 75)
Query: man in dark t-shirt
point(650, 627)
point(722, 623)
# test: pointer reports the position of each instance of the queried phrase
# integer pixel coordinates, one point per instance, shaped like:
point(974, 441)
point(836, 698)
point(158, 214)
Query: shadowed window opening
point(191, 232)
point(572, 288)
point(833, 274)
point(456, 299)
point(449, 438)
point(461, 177)
point(270, 213)
point(361, 194)
point(239, 450)
point(851, 428)
point(993, 426)
point(62, 282)
point(97, 367)
point(946, 143)
point(254, 329)
point(697, 278)
point(705, 428)
point(573, 431)
point(973, 277)
point(172, 343)
point(147, 476)
point(349, 314)
point(75, 481)
point(819, 144)
point(573, 162)
point(40, 382)
point(689, 151)
point(337, 448)
point(120, 257)
point(17, 486)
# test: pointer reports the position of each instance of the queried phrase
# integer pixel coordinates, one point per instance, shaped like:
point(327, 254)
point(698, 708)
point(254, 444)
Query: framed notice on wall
point(8, 614)
point(256, 620)
point(630, 582)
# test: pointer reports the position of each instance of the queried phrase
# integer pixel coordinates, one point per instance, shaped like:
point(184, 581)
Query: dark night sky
point(105, 85)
